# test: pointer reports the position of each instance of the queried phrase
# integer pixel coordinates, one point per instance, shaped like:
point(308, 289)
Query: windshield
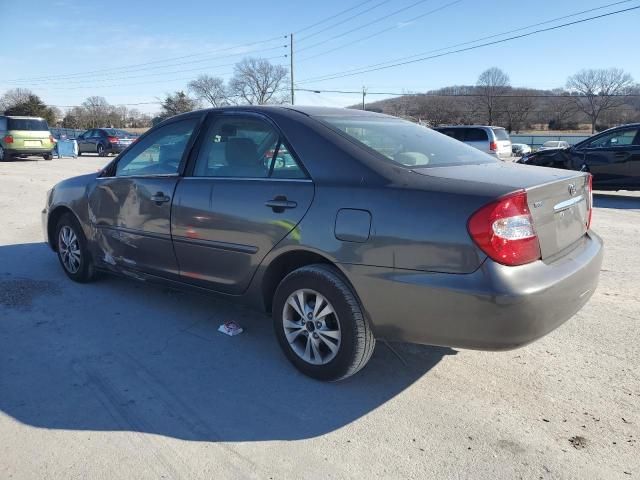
point(551, 144)
point(27, 124)
point(406, 143)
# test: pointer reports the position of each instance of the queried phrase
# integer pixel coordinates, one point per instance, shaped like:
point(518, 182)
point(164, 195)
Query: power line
point(435, 94)
point(341, 22)
point(366, 69)
point(384, 30)
point(334, 16)
point(546, 22)
point(379, 19)
point(111, 69)
point(203, 69)
point(118, 76)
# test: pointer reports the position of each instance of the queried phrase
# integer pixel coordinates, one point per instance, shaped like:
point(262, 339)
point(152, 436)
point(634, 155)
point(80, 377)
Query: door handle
point(280, 203)
point(160, 198)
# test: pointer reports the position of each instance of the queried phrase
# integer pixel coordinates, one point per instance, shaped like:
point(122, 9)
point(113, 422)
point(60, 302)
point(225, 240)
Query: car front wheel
point(320, 325)
point(72, 249)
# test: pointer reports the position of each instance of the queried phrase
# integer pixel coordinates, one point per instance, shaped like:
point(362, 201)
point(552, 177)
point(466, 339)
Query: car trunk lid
point(558, 199)
point(560, 212)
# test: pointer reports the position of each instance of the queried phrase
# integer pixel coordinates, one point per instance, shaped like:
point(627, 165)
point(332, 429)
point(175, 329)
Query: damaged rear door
point(130, 207)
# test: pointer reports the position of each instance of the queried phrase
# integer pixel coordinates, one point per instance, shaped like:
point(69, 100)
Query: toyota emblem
point(572, 189)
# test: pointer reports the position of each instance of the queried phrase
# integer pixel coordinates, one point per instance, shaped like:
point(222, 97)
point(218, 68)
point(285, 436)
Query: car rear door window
point(243, 147)
point(160, 152)
point(615, 139)
point(475, 135)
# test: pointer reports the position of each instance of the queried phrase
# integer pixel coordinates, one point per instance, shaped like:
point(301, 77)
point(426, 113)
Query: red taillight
point(493, 146)
point(8, 139)
point(113, 139)
point(504, 230)
point(590, 188)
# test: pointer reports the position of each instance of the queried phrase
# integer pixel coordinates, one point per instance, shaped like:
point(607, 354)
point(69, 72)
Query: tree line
point(600, 98)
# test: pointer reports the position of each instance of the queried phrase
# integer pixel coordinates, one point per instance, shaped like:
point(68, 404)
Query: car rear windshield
point(27, 124)
point(501, 134)
point(117, 133)
point(406, 143)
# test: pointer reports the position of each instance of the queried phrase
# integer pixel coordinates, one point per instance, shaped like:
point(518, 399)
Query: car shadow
point(117, 355)
point(618, 202)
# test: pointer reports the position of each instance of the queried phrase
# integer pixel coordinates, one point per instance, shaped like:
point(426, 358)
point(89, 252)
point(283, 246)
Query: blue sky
point(72, 38)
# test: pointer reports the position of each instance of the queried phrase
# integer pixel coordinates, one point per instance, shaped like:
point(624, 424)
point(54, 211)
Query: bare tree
point(210, 89)
point(438, 110)
point(517, 108)
point(97, 111)
point(256, 81)
point(13, 97)
point(491, 86)
point(599, 90)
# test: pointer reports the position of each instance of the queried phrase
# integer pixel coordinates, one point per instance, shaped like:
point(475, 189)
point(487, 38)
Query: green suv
point(22, 136)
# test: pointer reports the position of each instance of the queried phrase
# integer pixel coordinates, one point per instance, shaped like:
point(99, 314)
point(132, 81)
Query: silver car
point(492, 140)
point(554, 145)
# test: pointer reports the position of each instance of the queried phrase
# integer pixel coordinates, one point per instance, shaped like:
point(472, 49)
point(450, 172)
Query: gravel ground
point(117, 379)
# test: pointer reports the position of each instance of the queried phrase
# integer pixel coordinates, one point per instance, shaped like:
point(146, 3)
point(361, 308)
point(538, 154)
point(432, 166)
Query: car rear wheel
point(319, 323)
point(47, 156)
point(101, 150)
point(3, 155)
point(73, 253)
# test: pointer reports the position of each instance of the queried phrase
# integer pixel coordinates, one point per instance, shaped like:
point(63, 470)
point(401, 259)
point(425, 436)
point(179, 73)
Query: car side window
point(475, 135)
point(240, 147)
point(160, 152)
point(615, 139)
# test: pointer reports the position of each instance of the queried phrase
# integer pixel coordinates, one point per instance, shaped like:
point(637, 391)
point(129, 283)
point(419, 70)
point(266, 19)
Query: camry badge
point(572, 189)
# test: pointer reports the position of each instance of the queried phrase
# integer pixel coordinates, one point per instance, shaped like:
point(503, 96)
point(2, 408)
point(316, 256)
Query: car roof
point(469, 126)
point(290, 110)
point(19, 117)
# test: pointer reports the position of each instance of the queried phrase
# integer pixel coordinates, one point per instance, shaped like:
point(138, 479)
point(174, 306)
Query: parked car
point(371, 227)
point(104, 141)
point(519, 149)
point(554, 145)
point(612, 157)
point(24, 136)
point(492, 140)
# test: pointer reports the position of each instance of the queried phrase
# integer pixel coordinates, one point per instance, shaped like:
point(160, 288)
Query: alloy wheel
point(69, 249)
point(311, 326)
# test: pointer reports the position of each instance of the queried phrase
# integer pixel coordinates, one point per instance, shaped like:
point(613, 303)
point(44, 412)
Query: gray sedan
point(346, 225)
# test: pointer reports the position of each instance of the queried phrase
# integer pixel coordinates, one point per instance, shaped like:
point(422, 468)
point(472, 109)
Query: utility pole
point(291, 69)
point(364, 94)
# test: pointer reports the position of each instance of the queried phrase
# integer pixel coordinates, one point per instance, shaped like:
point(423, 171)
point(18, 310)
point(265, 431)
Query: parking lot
point(117, 379)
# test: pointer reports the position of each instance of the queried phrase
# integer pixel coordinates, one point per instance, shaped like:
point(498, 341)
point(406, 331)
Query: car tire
point(3, 155)
point(47, 156)
point(72, 249)
point(325, 346)
point(101, 150)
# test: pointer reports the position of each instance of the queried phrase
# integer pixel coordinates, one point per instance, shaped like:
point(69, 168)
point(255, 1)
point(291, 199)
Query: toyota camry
point(346, 226)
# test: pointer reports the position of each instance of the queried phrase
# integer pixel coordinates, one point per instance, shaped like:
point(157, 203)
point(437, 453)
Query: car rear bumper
point(495, 308)
point(28, 151)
